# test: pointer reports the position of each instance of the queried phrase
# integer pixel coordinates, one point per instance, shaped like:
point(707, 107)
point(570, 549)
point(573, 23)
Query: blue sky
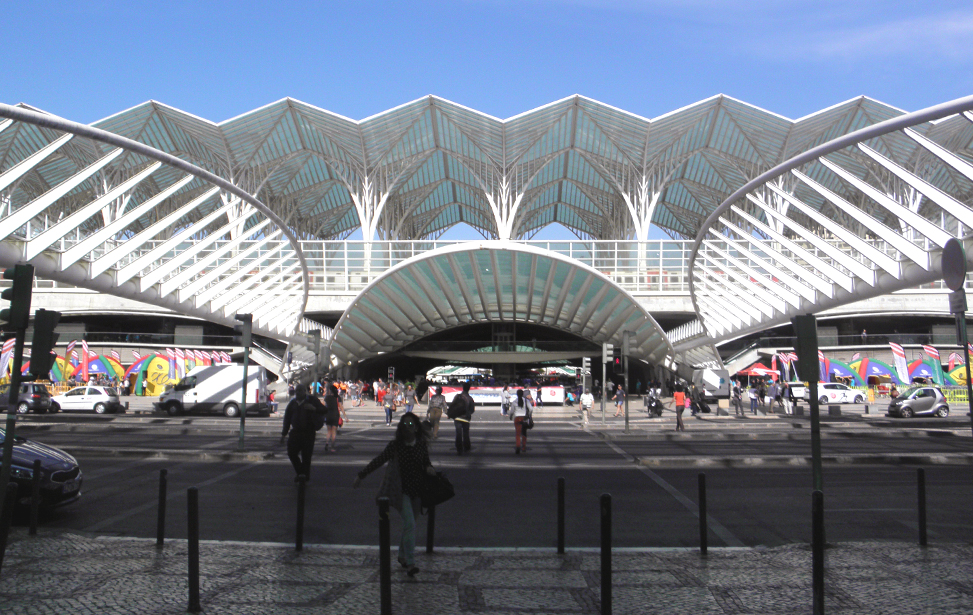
point(88, 60)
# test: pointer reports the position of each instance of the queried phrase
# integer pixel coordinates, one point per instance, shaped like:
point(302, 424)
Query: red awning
point(758, 370)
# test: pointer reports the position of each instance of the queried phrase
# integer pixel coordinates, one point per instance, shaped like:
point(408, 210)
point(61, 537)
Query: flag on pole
point(116, 356)
point(931, 351)
point(901, 367)
point(822, 367)
point(856, 356)
point(171, 356)
point(71, 346)
point(84, 362)
point(938, 371)
point(8, 349)
point(136, 354)
point(74, 355)
point(953, 359)
point(180, 363)
point(226, 357)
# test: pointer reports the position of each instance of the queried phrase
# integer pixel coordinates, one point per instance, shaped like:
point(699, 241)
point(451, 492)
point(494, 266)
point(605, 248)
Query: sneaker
point(413, 571)
point(517, 450)
point(402, 562)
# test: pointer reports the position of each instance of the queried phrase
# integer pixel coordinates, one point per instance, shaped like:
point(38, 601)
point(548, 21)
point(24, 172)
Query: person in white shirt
point(587, 401)
point(522, 407)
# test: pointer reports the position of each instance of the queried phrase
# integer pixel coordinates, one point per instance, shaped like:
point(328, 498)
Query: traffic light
point(586, 364)
point(241, 332)
point(617, 366)
point(806, 346)
point(41, 359)
point(577, 372)
point(607, 351)
point(18, 295)
point(391, 374)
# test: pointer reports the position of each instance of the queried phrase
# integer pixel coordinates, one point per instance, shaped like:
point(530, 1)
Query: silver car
point(98, 398)
point(924, 400)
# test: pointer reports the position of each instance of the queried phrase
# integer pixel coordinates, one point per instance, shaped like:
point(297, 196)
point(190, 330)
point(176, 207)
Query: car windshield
point(912, 393)
point(112, 391)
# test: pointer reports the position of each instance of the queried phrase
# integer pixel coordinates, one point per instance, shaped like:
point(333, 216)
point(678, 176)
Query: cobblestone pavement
point(70, 573)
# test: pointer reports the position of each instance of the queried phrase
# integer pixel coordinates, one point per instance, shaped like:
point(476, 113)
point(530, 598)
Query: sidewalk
point(69, 573)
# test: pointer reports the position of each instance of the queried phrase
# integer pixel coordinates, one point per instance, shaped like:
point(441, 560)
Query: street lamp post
point(954, 274)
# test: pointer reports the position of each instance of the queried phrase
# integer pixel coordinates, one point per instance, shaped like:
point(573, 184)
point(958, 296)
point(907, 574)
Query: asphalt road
point(508, 500)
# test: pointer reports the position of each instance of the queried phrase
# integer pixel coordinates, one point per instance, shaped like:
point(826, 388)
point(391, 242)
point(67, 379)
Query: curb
point(173, 454)
point(803, 460)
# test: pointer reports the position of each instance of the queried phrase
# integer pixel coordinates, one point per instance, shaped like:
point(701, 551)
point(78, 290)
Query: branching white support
point(504, 204)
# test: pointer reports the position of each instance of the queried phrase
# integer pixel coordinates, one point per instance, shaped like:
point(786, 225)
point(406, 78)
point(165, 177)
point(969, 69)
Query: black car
point(60, 473)
point(33, 397)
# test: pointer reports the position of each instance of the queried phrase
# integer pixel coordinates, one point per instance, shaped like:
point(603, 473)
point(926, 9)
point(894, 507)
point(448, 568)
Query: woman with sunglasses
point(408, 458)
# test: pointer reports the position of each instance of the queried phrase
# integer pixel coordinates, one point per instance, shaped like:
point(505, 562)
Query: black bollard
point(9, 501)
point(160, 523)
point(301, 494)
point(384, 556)
point(192, 499)
point(35, 496)
point(560, 516)
point(606, 554)
point(703, 530)
point(923, 538)
point(817, 552)
point(430, 528)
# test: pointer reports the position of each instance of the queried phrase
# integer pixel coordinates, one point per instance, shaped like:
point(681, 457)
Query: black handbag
point(528, 422)
point(436, 490)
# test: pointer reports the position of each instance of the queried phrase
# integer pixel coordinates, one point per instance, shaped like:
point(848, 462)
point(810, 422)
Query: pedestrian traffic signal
point(391, 374)
point(606, 352)
point(586, 364)
point(241, 332)
point(617, 366)
point(41, 359)
point(18, 313)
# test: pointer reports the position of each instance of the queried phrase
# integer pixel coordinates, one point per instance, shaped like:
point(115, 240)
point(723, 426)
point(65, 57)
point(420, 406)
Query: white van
point(712, 383)
point(217, 388)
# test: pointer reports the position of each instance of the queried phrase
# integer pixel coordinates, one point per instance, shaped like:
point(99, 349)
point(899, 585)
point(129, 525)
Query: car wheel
point(100, 408)
point(23, 408)
point(231, 410)
point(906, 413)
point(822, 400)
point(859, 399)
point(173, 409)
point(942, 412)
point(55, 408)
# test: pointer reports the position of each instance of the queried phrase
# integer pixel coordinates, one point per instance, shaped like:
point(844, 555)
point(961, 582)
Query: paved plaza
point(71, 573)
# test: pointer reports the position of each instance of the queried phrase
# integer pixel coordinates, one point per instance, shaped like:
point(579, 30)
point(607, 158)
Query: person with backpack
point(408, 459)
point(300, 427)
point(461, 411)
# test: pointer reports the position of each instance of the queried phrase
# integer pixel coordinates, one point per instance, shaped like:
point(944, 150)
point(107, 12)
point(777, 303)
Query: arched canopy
point(492, 281)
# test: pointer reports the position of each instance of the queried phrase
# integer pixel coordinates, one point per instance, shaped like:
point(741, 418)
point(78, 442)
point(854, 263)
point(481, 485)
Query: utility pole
point(242, 336)
point(626, 347)
point(16, 317)
point(954, 274)
point(606, 355)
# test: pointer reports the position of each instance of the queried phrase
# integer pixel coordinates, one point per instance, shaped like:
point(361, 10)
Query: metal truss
point(96, 210)
point(492, 281)
point(863, 215)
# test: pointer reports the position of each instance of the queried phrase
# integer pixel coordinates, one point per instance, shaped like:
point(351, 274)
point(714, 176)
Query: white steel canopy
point(863, 215)
point(492, 281)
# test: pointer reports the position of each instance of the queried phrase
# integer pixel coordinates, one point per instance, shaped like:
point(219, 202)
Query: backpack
point(457, 407)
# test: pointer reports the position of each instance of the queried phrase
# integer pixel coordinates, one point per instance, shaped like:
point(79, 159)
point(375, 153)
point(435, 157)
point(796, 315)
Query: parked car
point(61, 478)
point(100, 399)
point(924, 400)
point(33, 397)
point(836, 393)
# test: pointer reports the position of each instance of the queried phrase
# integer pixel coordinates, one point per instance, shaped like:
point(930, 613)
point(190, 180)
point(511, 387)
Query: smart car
point(60, 481)
point(925, 400)
point(836, 393)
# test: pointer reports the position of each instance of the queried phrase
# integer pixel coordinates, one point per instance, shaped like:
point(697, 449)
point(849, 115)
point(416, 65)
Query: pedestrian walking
point(679, 401)
point(737, 398)
point(521, 409)
point(408, 458)
point(299, 429)
point(587, 401)
point(437, 405)
point(619, 400)
point(388, 402)
point(785, 396)
point(461, 411)
point(409, 398)
point(505, 400)
point(752, 392)
point(332, 416)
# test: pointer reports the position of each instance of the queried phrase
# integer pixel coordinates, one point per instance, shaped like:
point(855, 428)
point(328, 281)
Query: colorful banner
point(180, 364)
point(823, 368)
point(8, 350)
point(84, 363)
point(933, 354)
point(171, 357)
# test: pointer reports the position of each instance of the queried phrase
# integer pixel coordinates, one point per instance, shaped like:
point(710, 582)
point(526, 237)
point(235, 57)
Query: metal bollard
point(430, 528)
point(703, 529)
point(817, 552)
point(384, 556)
point(35, 496)
point(192, 499)
point(301, 495)
point(606, 554)
point(160, 523)
point(560, 516)
point(9, 501)
point(921, 476)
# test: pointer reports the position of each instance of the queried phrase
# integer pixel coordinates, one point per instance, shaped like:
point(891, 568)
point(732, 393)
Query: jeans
point(462, 436)
point(407, 546)
point(753, 405)
point(738, 405)
point(388, 415)
point(409, 407)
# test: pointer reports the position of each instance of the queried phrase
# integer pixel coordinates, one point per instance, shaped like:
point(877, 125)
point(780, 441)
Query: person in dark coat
point(332, 416)
point(300, 442)
point(408, 458)
point(462, 421)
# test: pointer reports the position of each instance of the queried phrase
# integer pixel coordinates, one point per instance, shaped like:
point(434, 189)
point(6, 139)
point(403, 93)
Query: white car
point(834, 393)
point(100, 399)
